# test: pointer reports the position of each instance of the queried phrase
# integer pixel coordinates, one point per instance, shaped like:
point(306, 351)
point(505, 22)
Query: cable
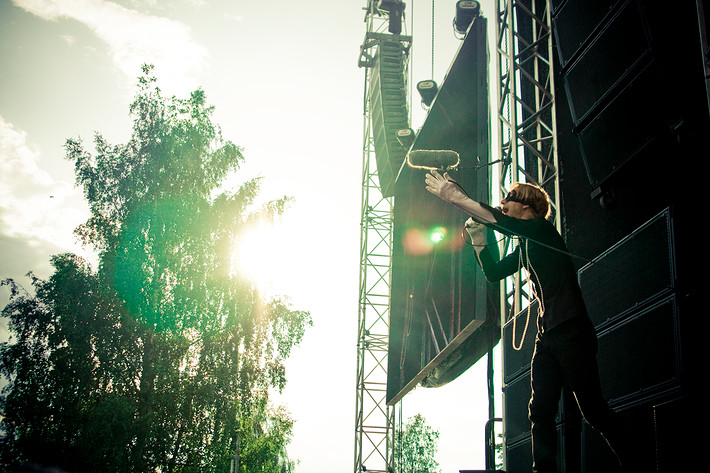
point(541, 309)
point(527, 318)
point(432, 39)
point(529, 270)
point(506, 231)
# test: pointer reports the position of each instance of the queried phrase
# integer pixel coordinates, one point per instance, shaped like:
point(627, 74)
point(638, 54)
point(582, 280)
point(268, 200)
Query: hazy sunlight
point(256, 257)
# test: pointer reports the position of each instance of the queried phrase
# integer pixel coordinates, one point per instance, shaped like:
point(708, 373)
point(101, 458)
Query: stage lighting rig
point(395, 8)
point(427, 90)
point(466, 11)
point(406, 137)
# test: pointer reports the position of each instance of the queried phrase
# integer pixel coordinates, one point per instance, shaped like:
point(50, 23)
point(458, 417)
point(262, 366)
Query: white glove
point(475, 231)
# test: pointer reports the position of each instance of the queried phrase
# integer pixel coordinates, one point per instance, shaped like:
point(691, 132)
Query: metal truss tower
point(374, 419)
point(527, 131)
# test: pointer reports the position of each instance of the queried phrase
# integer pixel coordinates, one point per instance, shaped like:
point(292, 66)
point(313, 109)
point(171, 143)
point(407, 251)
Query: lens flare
point(437, 234)
point(255, 256)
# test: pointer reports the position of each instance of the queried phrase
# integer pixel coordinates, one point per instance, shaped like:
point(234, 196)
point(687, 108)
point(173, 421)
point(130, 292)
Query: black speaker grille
point(517, 396)
point(597, 456)
point(574, 22)
point(518, 455)
point(625, 127)
point(630, 274)
point(640, 354)
point(669, 419)
point(607, 61)
point(388, 103)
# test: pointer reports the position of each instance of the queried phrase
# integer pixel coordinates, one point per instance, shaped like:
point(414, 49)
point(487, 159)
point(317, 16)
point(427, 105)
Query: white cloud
point(34, 206)
point(69, 39)
point(234, 17)
point(134, 38)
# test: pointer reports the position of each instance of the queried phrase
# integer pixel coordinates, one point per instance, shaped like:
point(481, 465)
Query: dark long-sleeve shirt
point(545, 257)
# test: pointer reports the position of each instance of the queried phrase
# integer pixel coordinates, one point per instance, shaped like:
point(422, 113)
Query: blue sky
point(283, 77)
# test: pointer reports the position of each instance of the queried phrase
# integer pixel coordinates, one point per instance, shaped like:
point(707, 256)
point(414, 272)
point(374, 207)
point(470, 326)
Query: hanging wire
point(432, 39)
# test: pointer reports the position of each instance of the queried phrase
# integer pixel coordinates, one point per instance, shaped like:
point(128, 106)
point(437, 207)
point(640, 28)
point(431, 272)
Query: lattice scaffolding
point(374, 420)
point(527, 131)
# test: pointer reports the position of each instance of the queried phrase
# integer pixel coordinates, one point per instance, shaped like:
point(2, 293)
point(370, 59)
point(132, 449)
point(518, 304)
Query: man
point(566, 344)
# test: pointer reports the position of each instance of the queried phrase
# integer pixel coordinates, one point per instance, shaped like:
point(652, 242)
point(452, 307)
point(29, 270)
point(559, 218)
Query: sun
point(255, 256)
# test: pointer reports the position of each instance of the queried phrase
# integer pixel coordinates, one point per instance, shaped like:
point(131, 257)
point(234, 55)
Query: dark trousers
point(566, 355)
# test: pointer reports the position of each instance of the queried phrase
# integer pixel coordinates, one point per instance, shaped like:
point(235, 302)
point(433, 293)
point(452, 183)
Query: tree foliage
point(160, 359)
point(415, 447)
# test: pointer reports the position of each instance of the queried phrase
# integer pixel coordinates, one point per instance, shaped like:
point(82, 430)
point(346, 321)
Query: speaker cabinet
point(516, 398)
point(638, 420)
point(672, 422)
point(634, 76)
point(519, 455)
point(596, 72)
point(388, 110)
point(632, 273)
point(640, 354)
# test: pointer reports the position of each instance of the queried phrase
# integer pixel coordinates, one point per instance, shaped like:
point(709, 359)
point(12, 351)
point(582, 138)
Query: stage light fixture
point(395, 9)
point(427, 90)
point(405, 137)
point(466, 11)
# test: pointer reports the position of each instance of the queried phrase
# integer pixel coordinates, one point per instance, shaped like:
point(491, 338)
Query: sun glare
point(255, 257)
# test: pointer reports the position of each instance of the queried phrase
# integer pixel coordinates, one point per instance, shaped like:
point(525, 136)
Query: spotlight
point(395, 9)
point(428, 90)
point(405, 137)
point(466, 11)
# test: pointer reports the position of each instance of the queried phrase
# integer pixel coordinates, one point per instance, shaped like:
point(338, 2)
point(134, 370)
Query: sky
point(284, 80)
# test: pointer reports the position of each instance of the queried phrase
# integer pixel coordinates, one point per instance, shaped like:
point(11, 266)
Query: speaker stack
point(632, 113)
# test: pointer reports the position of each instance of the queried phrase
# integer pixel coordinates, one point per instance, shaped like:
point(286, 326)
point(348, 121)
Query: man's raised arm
point(448, 190)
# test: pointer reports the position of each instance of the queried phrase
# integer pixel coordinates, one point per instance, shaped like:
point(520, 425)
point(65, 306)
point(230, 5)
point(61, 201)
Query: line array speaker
point(633, 75)
point(519, 455)
point(640, 354)
point(596, 456)
point(635, 271)
point(388, 109)
point(670, 419)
